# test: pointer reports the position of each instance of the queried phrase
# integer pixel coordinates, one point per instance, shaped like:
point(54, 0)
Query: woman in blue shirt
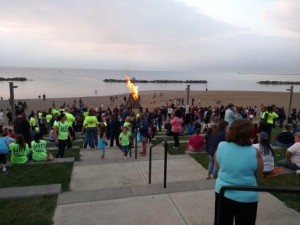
point(239, 164)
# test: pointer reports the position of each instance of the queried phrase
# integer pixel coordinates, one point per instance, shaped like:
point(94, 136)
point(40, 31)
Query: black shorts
point(3, 158)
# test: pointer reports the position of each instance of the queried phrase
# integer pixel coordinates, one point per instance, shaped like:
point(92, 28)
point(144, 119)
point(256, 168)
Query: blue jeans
point(279, 144)
point(125, 149)
point(211, 167)
point(91, 137)
point(288, 165)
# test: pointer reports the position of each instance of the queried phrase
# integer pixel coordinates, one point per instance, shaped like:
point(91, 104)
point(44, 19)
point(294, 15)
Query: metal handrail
point(165, 160)
point(290, 190)
point(135, 143)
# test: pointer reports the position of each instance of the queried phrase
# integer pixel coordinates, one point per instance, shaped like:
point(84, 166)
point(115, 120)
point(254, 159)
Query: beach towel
point(276, 171)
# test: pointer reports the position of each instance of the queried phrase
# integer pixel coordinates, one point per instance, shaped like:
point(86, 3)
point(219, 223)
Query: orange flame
point(133, 89)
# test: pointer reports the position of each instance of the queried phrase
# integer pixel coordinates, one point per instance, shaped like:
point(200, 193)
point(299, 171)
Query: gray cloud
point(156, 34)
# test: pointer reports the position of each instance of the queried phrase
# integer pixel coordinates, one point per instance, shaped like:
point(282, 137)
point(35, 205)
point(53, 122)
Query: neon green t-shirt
point(54, 112)
point(129, 126)
point(39, 152)
point(18, 155)
point(70, 119)
point(85, 114)
point(90, 121)
point(40, 115)
point(62, 130)
point(48, 118)
point(271, 117)
point(125, 138)
point(32, 122)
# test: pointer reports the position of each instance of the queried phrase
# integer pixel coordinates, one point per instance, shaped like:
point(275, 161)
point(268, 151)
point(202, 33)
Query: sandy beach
point(163, 98)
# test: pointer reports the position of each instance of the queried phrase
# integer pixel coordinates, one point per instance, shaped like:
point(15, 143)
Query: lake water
point(62, 82)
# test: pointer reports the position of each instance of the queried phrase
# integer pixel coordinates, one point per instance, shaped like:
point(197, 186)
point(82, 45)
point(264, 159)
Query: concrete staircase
point(115, 191)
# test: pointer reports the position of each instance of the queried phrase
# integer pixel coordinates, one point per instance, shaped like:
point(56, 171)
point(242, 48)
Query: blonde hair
point(297, 134)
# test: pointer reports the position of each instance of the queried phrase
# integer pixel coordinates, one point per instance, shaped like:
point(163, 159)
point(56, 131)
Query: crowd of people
point(231, 132)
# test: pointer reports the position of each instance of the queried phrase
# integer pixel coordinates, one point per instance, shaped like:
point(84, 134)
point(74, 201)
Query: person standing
point(239, 207)
point(176, 123)
point(1, 119)
point(115, 129)
point(90, 125)
point(124, 139)
point(143, 129)
point(22, 126)
point(230, 114)
point(9, 117)
point(267, 120)
point(218, 135)
point(5, 141)
point(61, 134)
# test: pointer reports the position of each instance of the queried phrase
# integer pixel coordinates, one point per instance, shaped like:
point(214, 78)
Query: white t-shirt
point(295, 150)
point(267, 159)
point(1, 118)
point(170, 110)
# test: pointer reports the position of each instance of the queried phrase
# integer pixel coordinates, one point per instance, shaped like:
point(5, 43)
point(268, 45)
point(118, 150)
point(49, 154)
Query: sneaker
point(4, 171)
point(297, 172)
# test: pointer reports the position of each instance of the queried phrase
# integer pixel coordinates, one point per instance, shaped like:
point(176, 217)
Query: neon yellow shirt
point(40, 115)
point(70, 119)
point(54, 112)
point(39, 152)
point(85, 114)
point(271, 116)
point(90, 121)
point(62, 130)
point(18, 155)
point(48, 118)
point(32, 122)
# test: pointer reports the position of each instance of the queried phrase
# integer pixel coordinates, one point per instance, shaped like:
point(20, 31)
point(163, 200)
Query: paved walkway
point(115, 191)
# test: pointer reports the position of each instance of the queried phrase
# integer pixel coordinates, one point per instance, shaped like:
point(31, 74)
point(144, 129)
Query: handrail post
point(130, 150)
point(150, 164)
point(135, 144)
point(165, 163)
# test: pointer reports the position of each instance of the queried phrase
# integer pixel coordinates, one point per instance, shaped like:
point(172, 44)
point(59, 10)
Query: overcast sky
point(216, 35)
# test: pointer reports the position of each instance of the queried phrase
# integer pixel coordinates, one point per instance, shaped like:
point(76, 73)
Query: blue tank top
point(238, 165)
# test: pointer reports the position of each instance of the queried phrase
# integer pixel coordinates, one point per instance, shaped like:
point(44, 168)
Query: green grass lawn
point(33, 211)
point(290, 180)
point(28, 175)
point(37, 210)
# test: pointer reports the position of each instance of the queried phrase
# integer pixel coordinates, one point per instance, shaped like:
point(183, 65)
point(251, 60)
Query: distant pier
point(156, 81)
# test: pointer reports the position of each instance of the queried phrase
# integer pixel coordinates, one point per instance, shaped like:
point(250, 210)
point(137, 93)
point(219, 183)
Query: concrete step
point(179, 208)
point(30, 191)
point(115, 155)
point(55, 160)
point(55, 148)
point(133, 191)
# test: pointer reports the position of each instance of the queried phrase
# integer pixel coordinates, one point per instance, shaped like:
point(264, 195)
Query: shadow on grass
point(33, 211)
